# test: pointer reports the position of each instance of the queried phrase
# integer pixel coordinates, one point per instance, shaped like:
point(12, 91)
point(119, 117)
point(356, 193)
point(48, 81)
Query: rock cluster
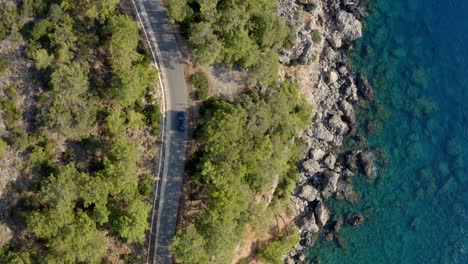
point(326, 171)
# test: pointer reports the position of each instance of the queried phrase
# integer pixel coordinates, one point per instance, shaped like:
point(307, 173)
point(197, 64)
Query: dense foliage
point(273, 252)
point(87, 184)
point(250, 148)
point(235, 32)
point(200, 83)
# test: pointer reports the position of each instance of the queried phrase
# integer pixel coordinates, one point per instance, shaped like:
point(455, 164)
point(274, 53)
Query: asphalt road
point(171, 66)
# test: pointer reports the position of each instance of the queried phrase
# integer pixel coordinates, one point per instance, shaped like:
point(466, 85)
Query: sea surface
point(415, 53)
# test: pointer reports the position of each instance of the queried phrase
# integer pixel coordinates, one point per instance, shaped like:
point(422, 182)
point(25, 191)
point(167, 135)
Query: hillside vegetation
point(244, 33)
point(249, 148)
point(88, 187)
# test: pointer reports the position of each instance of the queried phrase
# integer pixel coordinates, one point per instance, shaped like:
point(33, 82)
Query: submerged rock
point(365, 90)
point(355, 220)
point(366, 164)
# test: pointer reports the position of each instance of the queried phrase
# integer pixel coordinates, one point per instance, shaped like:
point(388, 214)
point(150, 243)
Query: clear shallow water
point(415, 53)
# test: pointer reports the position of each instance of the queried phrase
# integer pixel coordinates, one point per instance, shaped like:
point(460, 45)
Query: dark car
point(181, 121)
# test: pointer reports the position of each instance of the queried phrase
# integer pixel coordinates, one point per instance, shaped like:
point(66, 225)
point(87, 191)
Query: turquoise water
point(415, 53)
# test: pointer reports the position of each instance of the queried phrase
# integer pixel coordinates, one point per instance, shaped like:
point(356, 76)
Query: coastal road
point(161, 36)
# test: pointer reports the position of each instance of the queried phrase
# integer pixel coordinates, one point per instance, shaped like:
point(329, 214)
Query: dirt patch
point(254, 239)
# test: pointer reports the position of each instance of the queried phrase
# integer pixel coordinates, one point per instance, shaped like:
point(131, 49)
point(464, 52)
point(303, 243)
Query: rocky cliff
point(325, 31)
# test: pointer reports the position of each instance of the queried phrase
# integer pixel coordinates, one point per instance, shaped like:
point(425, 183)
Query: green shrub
point(11, 91)
point(152, 117)
point(3, 147)
point(3, 31)
point(4, 65)
point(12, 113)
point(200, 82)
point(315, 36)
point(145, 184)
point(273, 252)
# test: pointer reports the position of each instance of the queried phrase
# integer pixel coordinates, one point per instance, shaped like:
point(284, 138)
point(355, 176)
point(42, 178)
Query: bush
point(3, 147)
point(3, 31)
point(11, 91)
point(4, 65)
point(152, 117)
point(315, 36)
point(273, 252)
point(12, 114)
point(200, 82)
point(145, 184)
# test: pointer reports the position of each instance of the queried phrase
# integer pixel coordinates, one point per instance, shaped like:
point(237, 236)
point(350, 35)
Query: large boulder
point(308, 193)
point(348, 110)
point(349, 90)
point(335, 40)
point(322, 214)
point(349, 26)
point(364, 88)
point(309, 224)
point(330, 161)
point(311, 166)
point(366, 164)
point(331, 179)
point(337, 124)
point(316, 154)
point(320, 132)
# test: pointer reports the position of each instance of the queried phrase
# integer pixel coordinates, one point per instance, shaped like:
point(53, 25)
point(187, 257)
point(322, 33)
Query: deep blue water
point(415, 53)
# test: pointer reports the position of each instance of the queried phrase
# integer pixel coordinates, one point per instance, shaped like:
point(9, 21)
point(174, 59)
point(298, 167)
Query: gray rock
point(331, 178)
point(349, 90)
point(351, 162)
point(332, 76)
point(329, 55)
point(343, 70)
point(366, 164)
point(336, 123)
point(302, 257)
point(337, 223)
point(320, 132)
point(335, 40)
point(364, 88)
point(330, 161)
point(308, 193)
point(307, 55)
point(348, 111)
point(309, 224)
point(311, 166)
point(355, 220)
point(350, 27)
point(316, 154)
point(322, 214)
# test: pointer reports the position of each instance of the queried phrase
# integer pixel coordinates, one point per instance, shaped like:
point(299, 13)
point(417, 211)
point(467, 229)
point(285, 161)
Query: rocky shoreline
point(328, 170)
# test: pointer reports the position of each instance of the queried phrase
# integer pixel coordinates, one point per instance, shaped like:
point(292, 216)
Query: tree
point(189, 247)
point(129, 219)
point(273, 252)
point(206, 46)
point(123, 42)
point(179, 10)
point(200, 82)
point(79, 242)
